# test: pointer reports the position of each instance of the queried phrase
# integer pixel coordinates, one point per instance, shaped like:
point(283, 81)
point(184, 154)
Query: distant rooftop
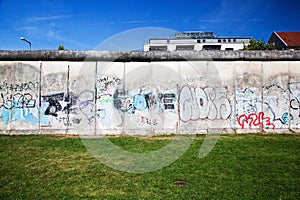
point(198, 35)
point(292, 39)
point(194, 34)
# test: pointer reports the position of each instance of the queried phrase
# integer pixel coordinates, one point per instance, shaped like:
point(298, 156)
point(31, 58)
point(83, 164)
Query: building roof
point(290, 38)
point(198, 35)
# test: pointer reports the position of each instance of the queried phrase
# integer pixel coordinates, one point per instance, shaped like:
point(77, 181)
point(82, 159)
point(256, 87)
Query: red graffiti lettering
point(254, 120)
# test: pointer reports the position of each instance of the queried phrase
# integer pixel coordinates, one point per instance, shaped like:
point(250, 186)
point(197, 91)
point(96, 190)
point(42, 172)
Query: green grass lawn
point(239, 167)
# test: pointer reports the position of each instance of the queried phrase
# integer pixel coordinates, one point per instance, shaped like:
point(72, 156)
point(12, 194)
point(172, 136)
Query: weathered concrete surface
point(121, 56)
point(235, 92)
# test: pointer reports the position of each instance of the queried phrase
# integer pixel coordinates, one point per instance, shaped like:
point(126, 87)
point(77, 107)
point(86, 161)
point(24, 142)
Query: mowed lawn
point(250, 166)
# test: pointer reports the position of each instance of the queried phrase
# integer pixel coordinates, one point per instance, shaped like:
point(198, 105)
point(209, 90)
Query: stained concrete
point(131, 56)
point(103, 92)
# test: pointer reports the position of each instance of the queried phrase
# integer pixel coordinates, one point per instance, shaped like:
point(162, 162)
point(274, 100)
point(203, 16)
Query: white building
point(196, 41)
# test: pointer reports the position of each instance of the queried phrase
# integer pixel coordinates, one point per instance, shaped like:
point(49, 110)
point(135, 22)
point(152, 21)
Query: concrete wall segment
point(164, 94)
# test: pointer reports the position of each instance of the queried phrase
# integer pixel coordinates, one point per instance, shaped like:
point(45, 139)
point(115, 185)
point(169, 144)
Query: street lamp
point(22, 38)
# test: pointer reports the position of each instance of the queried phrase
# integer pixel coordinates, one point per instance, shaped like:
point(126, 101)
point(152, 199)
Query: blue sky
point(82, 25)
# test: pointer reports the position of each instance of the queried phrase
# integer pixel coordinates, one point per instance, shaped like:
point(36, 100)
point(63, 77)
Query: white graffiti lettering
point(208, 103)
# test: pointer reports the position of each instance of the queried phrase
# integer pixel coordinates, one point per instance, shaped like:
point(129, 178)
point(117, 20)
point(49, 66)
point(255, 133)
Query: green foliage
point(295, 48)
point(61, 47)
point(269, 46)
point(239, 167)
point(258, 45)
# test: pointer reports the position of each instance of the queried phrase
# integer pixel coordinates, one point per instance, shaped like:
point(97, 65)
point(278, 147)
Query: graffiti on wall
point(203, 103)
point(68, 108)
point(19, 87)
point(126, 101)
point(106, 83)
point(279, 104)
point(18, 102)
point(142, 107)
point(294, 89)
point(268, 107)
point(255, 120)
point(139, 105)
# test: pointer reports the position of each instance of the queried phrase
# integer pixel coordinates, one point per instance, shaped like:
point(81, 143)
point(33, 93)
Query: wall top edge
point(141, 56)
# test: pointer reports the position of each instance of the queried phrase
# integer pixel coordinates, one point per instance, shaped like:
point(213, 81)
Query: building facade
point(196, 41)
point(285, 40)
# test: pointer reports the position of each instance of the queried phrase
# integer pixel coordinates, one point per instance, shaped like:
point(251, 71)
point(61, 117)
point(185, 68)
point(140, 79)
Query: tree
point(258, 45)
point(61, 47)
point(269, 46)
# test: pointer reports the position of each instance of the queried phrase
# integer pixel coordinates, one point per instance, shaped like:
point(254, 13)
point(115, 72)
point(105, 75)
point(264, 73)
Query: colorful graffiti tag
point(281, 105)
point(255, 120)
point(18, 102)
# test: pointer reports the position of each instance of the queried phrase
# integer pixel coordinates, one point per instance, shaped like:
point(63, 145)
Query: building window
point(203, 40)
point(211, 47)
point(184, 47)
point(198, 41)
point(234, 40)
point(219, 40)
point(229, 40)
point(158, 48)
point(224, 40)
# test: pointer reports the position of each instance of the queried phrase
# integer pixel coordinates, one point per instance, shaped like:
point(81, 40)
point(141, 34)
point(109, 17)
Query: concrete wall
point(149, 92)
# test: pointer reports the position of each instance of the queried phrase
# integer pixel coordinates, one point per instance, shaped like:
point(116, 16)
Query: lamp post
point(22, 38)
